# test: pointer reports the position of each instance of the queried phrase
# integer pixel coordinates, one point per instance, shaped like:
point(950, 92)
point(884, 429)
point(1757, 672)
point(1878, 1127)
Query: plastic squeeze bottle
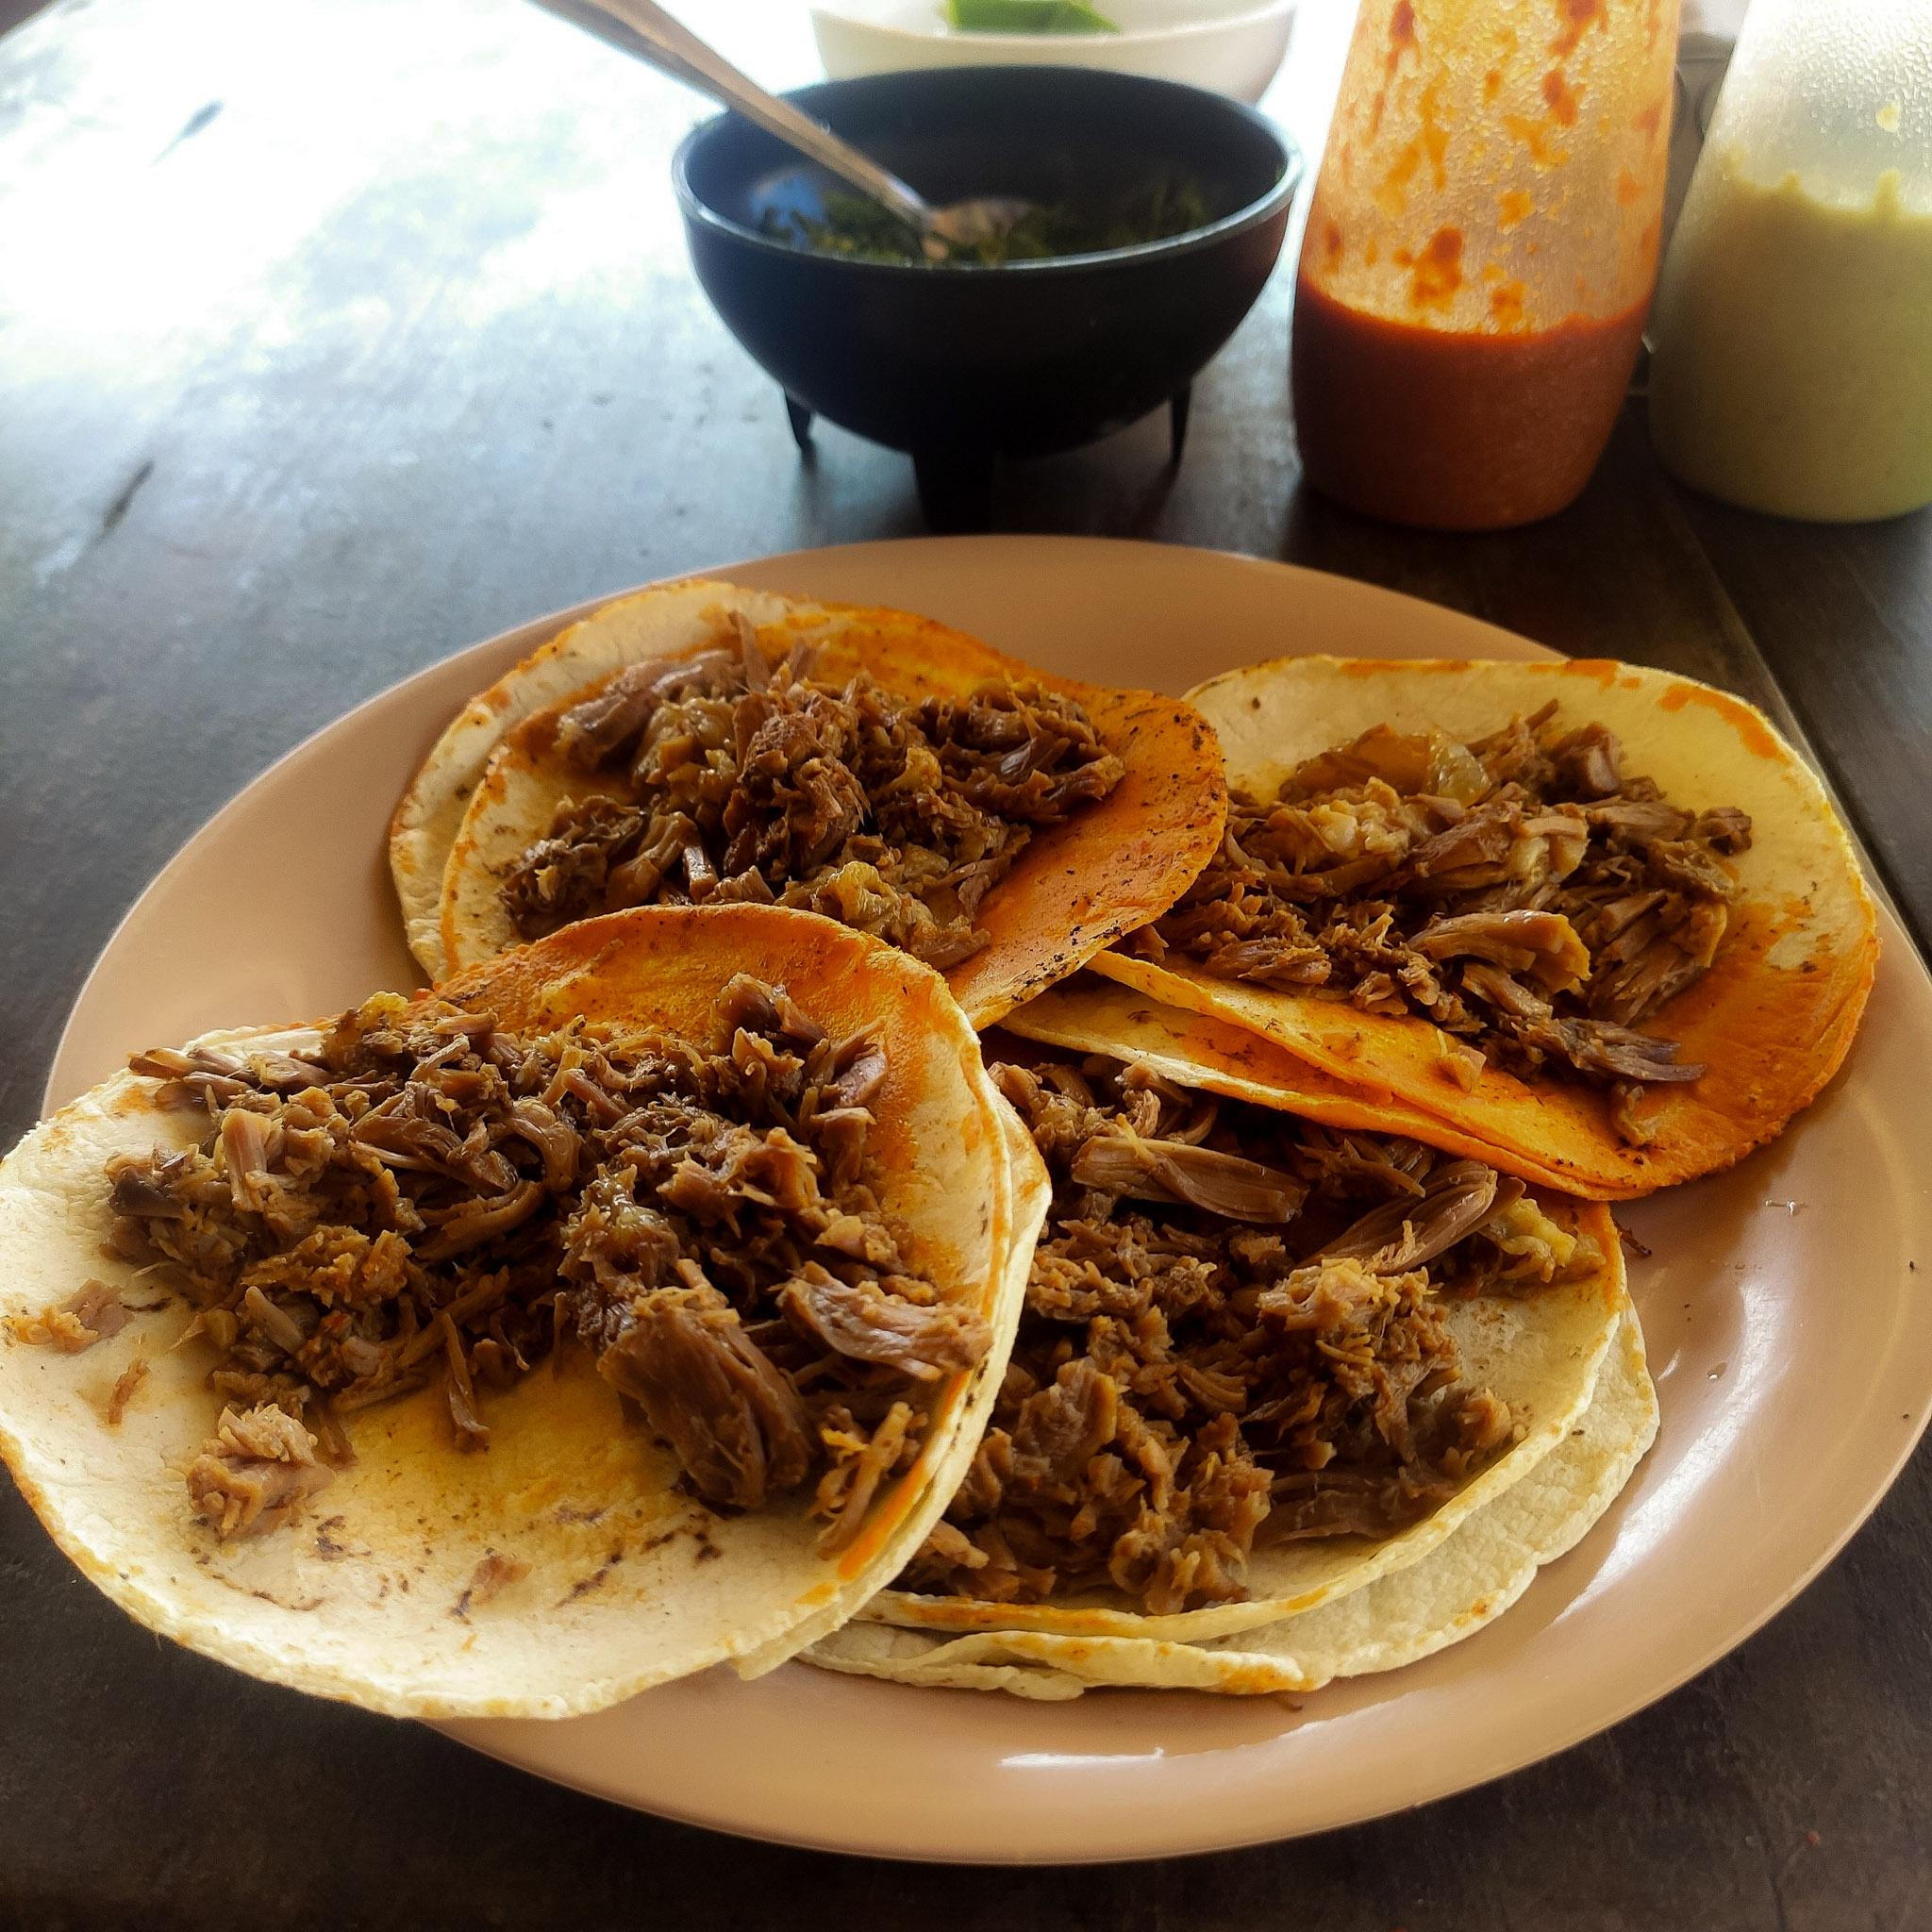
point(1792, 364)
point(1480, 254)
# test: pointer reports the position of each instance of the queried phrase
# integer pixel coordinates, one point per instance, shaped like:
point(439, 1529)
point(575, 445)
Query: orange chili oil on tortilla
point(1454, 429)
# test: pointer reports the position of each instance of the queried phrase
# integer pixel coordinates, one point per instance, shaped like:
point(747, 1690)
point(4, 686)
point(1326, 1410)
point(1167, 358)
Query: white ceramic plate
point(1792, 1342)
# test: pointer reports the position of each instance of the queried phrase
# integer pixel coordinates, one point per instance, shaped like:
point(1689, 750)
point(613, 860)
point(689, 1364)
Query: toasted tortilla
point(1087, 1014)
point(616, 1578)
point(1472, 1577)
point(1075, 887)
point(1772, 1019)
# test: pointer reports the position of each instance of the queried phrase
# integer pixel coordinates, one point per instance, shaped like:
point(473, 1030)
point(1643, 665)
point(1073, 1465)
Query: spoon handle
point(647, 31)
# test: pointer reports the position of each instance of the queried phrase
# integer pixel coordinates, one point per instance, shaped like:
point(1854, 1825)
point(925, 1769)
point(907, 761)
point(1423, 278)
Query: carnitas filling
point(1235, 1335)
point(428, 1198)
point(1523, 892)
point(727, 777)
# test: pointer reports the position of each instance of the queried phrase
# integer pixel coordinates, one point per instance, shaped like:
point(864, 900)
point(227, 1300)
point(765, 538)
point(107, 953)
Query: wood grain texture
point(334, 336)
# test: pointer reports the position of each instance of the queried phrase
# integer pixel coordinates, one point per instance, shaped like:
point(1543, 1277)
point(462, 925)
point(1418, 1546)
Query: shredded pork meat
point(255, 1472)
point(1234, 1334)
point(1523, 892)
point(725, 776)
point(431, 1199)
point(92, 1313)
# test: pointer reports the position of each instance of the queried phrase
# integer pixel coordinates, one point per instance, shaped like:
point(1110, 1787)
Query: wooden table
point(335, 335)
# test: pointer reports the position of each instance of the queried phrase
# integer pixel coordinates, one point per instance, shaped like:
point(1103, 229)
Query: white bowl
point(1232, 47)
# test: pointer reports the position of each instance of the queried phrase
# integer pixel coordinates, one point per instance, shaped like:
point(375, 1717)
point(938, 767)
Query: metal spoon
point(645, 31)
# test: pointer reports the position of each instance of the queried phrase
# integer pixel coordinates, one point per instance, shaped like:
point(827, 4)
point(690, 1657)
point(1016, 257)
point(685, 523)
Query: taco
point(701, 745)
point(1468, 1580)
point(626, 1305)
point(667, 622)
point(1261, 1363)
point(1600, 920)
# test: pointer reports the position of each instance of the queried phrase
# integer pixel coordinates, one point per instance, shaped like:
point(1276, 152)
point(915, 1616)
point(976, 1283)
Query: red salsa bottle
point(1480, 254)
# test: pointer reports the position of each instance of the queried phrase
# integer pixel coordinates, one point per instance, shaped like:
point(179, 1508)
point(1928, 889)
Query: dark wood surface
point(333, 337)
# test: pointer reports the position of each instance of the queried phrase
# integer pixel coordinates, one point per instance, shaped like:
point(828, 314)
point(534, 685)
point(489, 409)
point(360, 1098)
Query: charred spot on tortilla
point(429, 1199)
point(1522, 891)
point(326, 1544)
point(728, 776)
point(1235, 1335)
point(590, 1580)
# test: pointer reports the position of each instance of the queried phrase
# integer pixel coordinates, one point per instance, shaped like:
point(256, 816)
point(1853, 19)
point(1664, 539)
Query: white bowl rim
point(1127, 36)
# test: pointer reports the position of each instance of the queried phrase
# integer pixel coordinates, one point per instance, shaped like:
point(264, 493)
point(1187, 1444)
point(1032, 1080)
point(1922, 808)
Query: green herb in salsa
point(861, 229)
point(1027, 17)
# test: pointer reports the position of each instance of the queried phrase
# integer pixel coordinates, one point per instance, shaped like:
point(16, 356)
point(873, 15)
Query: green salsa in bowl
point(1162, 212)
point(851, 224)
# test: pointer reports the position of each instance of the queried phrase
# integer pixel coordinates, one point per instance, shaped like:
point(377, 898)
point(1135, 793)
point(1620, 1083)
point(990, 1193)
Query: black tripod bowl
point(961, 366)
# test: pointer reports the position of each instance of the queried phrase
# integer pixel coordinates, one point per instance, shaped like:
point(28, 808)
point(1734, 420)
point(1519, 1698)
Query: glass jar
point(1792, 342)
